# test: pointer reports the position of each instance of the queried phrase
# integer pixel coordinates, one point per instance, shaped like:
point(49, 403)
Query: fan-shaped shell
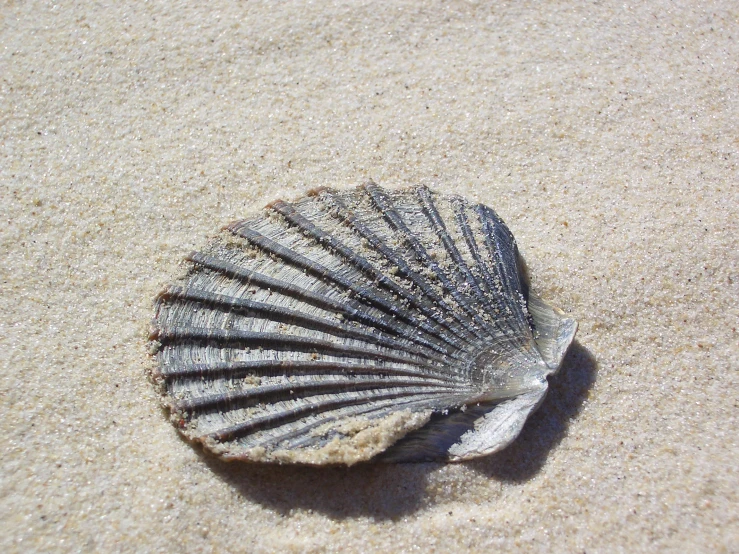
point(356, 325)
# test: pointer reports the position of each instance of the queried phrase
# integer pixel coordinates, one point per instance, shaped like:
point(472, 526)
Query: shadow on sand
point(390, 491)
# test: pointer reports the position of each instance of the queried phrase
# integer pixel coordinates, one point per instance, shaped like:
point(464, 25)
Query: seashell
point(392, 325)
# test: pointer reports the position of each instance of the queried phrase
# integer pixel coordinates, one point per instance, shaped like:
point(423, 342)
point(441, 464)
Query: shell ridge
point(350, 309)
point(294, 317)
point(493, 286)
point(432, 213)
point(439, 226)
point(464, 332)
point(280, 417)
point(396, 221)
point(287, 391)
point(503, 257)
point(272, 367)
point(385, 205)
point(487, 279)
point(168, 335)
point(322, 272)
point(322, 237)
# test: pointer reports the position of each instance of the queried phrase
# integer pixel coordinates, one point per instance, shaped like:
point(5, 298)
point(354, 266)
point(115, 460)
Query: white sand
point(606, 135)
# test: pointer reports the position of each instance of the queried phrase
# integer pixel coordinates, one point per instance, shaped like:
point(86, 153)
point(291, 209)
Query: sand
point(605, 134)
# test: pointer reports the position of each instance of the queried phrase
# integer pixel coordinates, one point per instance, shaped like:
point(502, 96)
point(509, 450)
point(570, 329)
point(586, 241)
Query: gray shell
point(356, 325)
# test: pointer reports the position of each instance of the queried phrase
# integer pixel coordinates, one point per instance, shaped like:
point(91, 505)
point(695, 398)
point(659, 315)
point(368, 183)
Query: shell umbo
point(355, 325)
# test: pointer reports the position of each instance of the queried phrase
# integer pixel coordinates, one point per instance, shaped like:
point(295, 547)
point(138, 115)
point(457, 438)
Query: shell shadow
point(379, 491)
point(391, 491)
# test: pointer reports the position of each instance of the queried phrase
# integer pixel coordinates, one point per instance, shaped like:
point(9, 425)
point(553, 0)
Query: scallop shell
point(392, 325)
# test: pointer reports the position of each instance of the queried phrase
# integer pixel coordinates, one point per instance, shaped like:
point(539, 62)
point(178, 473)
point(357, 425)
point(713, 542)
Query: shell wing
point(328, 329)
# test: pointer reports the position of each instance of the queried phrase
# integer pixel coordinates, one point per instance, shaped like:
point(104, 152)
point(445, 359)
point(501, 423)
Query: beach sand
point(605, 135)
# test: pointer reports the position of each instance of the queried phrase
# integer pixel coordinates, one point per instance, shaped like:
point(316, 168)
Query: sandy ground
point(605, 134)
